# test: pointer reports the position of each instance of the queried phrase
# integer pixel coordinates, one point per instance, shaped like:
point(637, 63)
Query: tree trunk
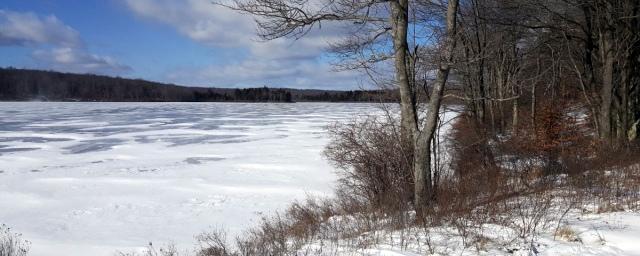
point(533, 97)
point(607, 85)
point(514, 116)
point(408, 115)
point(422, 156)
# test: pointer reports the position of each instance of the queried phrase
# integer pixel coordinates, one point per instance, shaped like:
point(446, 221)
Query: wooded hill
point(25, 85)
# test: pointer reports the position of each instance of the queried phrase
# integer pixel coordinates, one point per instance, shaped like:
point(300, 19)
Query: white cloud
point(280, 62)
point(79, 61)
point(200, 20)
point(25, 29)
point(56, 45)
point(218, 26)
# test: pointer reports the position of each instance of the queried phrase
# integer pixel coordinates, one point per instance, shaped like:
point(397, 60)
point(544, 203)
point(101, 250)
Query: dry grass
point(567, 234)
point(12, 244)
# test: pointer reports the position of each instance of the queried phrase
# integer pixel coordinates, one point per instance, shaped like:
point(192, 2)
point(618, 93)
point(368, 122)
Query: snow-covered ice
point(93, 178)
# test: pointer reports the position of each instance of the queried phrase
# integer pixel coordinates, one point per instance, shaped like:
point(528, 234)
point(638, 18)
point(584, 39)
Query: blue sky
point(189, 42)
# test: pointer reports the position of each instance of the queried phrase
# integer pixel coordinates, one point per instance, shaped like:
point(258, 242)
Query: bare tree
point(375, 19)
point(423, 137)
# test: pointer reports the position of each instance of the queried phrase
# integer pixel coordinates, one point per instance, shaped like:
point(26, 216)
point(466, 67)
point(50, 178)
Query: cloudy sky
point(189, 42)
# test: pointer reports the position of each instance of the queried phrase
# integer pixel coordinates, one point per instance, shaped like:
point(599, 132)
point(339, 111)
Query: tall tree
point(375, 19)
point(423, 137)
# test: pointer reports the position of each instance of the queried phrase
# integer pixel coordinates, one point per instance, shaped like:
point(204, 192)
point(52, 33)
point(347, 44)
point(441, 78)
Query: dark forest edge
point(40, 85)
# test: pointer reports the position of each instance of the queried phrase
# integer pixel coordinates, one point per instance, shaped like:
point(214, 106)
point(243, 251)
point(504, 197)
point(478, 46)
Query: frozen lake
point(93, 178)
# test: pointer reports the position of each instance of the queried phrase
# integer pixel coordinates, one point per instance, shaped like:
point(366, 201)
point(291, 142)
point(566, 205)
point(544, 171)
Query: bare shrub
point(531, 213)
point(612, 184)
point(554, 143)
point(12, 244)
point(373, 163)
point(284, 233)
point(151, 250)
point(214, 243)
point(478, 179)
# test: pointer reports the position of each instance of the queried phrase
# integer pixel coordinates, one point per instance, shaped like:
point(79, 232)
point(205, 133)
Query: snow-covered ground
point(579, 234)
point(93, 178)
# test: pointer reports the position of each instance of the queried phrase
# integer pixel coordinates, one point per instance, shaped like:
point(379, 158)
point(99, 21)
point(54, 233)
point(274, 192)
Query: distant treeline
point(26, 85)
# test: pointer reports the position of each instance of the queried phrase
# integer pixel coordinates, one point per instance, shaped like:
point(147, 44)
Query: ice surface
point(93, 178)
